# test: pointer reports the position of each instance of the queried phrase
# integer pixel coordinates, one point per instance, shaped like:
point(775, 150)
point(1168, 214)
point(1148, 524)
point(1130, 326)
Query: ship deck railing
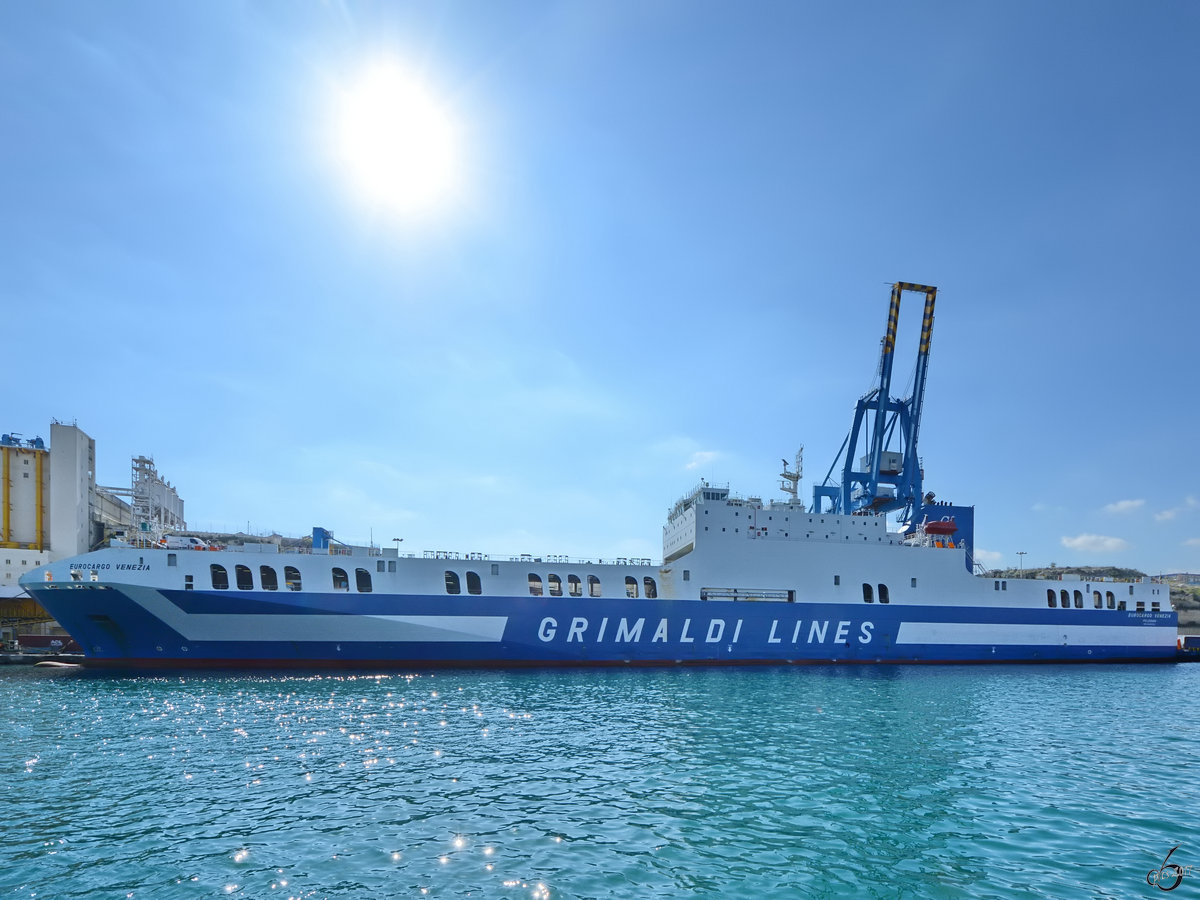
point(393, 553)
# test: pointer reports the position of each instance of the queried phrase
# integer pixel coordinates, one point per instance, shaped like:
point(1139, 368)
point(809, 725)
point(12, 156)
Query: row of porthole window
point(553, 585)
point(869, 594)
point(454, 585)
point(1066, 599)
point(269, 579)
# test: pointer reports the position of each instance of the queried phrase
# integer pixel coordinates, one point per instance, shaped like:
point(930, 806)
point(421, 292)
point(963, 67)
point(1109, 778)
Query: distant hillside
point(1186, 600)
point(1087, 573)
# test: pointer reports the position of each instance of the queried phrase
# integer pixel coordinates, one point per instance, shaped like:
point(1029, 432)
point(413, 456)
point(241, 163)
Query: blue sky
point(667, 257)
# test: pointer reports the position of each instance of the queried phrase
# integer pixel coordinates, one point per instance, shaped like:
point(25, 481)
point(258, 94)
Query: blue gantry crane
point(887, 476)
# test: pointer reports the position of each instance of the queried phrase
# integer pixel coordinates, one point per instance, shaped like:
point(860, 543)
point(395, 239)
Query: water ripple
point(890, 782)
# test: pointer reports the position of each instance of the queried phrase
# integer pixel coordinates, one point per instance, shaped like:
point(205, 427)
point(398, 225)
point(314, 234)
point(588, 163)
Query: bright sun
point(398, 143)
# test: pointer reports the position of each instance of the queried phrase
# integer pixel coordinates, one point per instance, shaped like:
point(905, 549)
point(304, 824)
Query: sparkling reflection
point(585, 784)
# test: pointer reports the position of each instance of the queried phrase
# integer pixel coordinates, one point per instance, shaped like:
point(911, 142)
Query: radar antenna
point(790, 483)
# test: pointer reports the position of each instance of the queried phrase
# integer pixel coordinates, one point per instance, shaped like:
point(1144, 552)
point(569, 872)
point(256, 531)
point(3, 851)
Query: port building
point(51, 507)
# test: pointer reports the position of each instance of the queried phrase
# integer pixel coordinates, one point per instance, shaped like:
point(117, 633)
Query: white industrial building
point(51, 507)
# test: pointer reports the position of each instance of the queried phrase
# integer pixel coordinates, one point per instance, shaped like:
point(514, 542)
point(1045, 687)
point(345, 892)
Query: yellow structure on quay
point(24, 493)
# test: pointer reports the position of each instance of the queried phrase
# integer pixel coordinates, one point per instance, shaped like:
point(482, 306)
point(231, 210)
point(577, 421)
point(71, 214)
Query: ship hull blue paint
point(234, 628)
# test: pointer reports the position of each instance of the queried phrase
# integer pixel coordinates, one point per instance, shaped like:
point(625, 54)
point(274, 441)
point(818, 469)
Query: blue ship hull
point(165, 628)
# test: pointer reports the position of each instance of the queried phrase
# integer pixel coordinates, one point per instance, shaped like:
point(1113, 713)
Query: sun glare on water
point(397, 141)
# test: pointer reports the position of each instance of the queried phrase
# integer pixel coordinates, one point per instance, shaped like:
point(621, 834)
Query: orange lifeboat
point(945, 525)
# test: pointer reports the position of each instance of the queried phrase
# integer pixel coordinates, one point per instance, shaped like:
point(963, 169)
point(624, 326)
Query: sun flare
point(397, 141)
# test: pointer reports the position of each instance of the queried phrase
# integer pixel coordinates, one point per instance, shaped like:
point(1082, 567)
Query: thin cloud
point(1192, 542)
point(1095, 543)
point(1124, 506)
point(987, 556)
point(702, 458)
point(1168, 514)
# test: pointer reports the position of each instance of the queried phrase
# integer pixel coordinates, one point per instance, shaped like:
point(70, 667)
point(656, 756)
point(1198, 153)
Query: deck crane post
point(885, 480)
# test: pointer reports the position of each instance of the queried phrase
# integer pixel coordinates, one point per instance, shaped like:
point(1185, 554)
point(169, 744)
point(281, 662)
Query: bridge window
point(220, 578)
point(452, 586)
point(535, 585)
point(172, 559)
point(1155, 606)
point(651, 588)
point(1141, 606)
point(187, 582)
point(883, 594)
point(868, 593)
point(474, 586)
point(631, 588)
point(268, 579)
point(341, 581)
point(554, 583)
point(379, 565)
point(362, 581)
point(245, 581)
point(593, 586)
point(574, 586)
point(291, 578)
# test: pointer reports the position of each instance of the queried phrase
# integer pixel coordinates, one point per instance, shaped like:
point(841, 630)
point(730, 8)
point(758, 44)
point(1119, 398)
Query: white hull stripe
point(317, 627)
point(1003, 634)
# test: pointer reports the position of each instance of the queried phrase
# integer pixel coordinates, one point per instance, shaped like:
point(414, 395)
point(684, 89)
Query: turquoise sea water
point(1038, 781)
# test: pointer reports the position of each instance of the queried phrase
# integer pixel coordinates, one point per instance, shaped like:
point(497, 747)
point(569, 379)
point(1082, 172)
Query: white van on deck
point(181, 542)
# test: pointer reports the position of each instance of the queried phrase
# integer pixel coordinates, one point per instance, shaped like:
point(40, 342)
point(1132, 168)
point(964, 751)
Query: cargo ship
point(875, 570)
